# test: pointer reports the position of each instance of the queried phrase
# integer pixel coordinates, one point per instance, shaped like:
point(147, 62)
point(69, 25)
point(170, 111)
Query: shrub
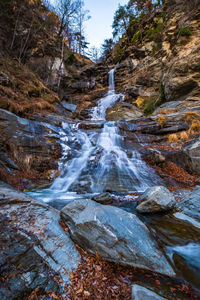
point(118, 53)
point(185, 31)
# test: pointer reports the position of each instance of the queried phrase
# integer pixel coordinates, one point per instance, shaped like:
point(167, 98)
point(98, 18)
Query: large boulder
point(156, 199)
point(141, 293)
point(35, 252)
point(115, 235)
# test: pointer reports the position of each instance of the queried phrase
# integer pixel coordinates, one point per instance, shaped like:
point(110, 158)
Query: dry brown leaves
point(180, 174)
point(97, 279)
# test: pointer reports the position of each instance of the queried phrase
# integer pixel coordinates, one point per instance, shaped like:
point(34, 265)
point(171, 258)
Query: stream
point(97, 158)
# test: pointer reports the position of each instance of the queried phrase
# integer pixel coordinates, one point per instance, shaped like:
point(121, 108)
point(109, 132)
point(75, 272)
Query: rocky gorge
point(100, 188)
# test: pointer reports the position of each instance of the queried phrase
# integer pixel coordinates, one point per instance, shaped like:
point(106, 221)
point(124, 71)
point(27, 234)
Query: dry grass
point(173, 138)
point(26, 94)
point(184, 135)
point(162, 121)
point(191, 116)
point(194, 128)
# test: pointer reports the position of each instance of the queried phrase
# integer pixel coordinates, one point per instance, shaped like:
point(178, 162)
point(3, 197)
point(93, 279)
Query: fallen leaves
point(97, 279)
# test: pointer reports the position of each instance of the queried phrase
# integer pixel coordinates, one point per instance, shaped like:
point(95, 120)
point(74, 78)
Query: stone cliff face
point(169, 67)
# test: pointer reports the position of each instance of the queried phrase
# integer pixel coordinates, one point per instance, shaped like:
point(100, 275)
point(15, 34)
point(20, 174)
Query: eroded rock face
point(115, 235)
point(156, 199)
point(35, 252)
point(27, 146)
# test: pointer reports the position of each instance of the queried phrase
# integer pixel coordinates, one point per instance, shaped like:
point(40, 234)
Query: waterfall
point(99, 112)
point(98, 161)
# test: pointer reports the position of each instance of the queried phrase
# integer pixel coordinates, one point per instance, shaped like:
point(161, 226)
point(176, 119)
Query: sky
point(99, 27)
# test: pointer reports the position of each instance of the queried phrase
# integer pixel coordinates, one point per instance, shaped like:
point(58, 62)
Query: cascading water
point(99, 112)
point(97, 160)
point(89, 166)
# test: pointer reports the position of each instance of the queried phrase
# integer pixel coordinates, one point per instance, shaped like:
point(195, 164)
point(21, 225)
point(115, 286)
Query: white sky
point(99, 27)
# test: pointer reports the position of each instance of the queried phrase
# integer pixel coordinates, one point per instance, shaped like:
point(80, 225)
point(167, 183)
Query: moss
point(135, 37)
point(185, 31)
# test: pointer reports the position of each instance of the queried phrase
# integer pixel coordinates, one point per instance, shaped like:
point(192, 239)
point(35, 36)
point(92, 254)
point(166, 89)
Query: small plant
point(135, 37)
point(197, 66)
point(173, 138)
point(185, 31)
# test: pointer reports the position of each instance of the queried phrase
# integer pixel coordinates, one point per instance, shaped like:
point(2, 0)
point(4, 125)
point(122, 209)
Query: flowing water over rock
point(97, 158)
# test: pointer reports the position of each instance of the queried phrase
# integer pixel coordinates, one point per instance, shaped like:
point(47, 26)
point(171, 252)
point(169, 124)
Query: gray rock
point(69, 106)
point(33, 246)
point(4, 79)
point(156, 199)
point(192, 152)
point(191, 208)
point(141, 293)
point(115, 235)
point(105, 198)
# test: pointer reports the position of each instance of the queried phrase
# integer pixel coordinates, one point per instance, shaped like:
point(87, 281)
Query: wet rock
point(105, 198)
point(91, 125)
point(35, 252)
point(190, 207)
point(156, 199)
point(157, 156)
point(141, 293)
point(192, 153)
point(123, 111)
point(69, 106)
point(114, 234)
